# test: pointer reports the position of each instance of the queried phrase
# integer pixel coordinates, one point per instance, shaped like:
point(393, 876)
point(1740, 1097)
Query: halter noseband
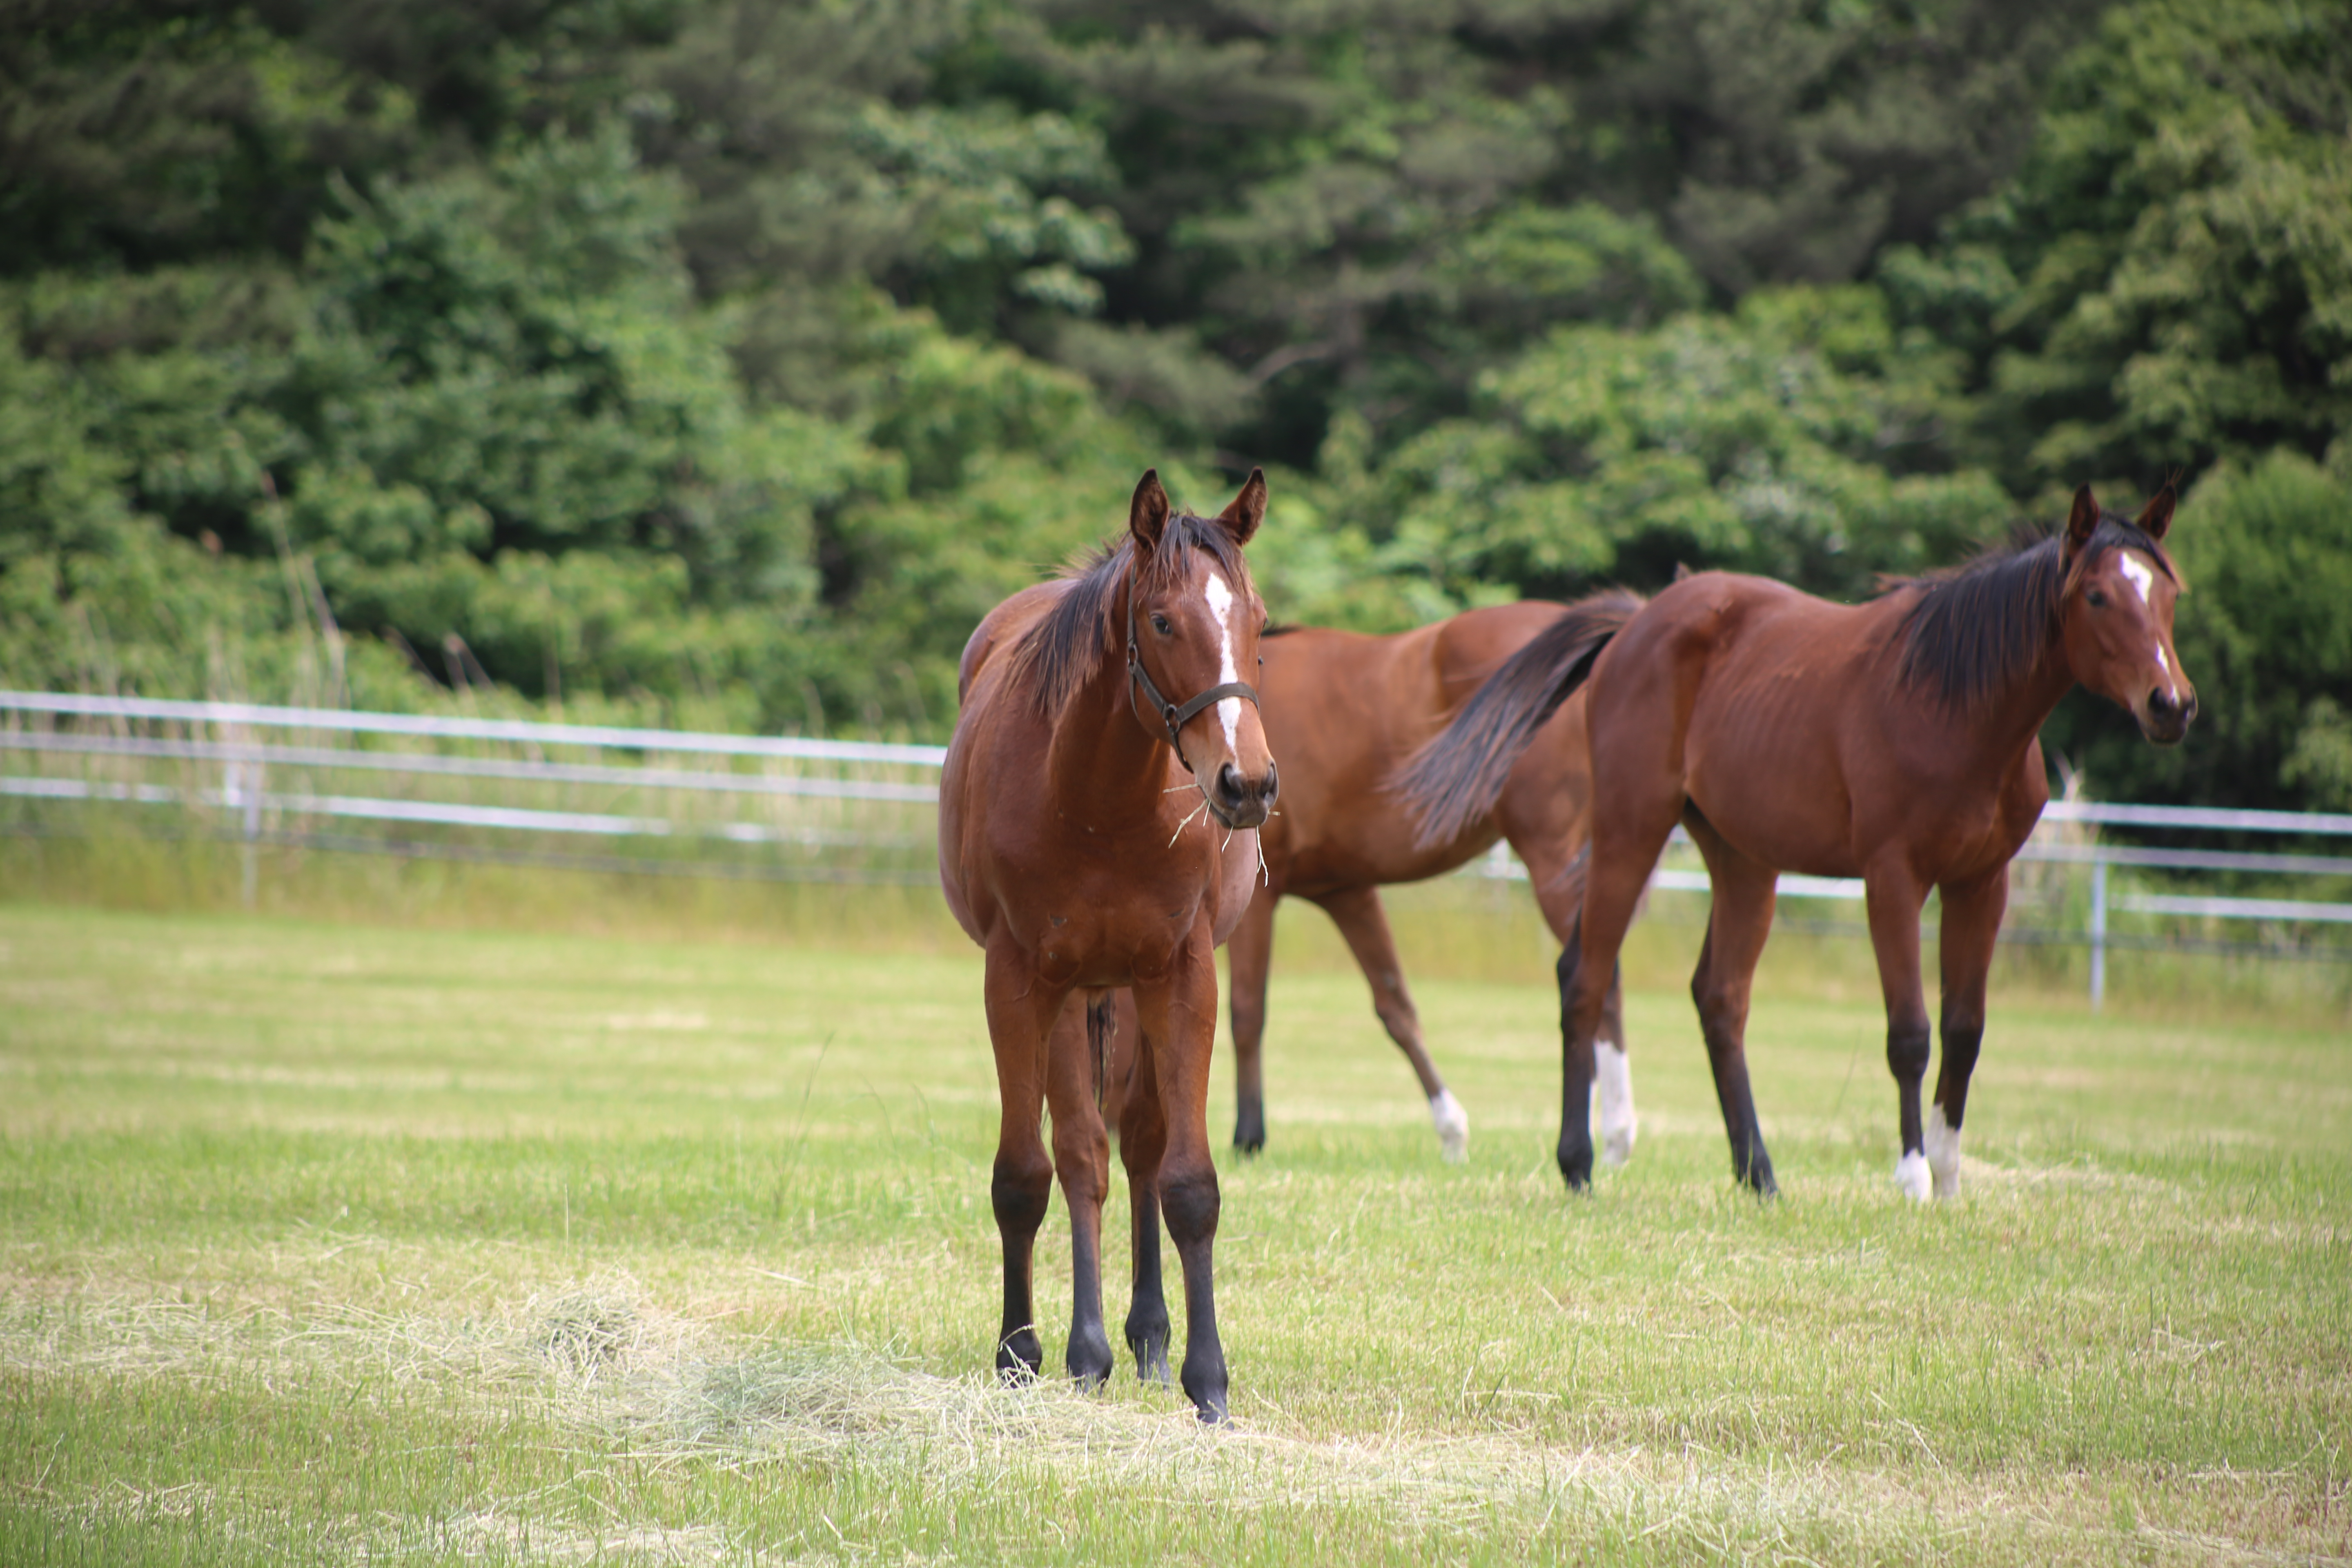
point(1175, 715)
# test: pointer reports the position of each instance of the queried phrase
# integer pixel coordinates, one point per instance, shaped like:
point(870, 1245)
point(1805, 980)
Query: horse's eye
point(2098, 600)
point(1159, 624)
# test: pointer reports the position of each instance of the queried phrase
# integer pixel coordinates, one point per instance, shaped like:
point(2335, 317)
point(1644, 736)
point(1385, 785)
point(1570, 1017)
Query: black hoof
point(1150, 1344)
point(1019, 1357)
point(1755, 1173)
point(1089, 1361)
point(1204, 1386)
point(1249, 1127)
point(1576, 1166)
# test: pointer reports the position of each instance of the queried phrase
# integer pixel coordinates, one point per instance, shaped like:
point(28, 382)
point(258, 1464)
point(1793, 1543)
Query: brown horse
point(1093, 833)
point(1344, 711)
point(1895, 740)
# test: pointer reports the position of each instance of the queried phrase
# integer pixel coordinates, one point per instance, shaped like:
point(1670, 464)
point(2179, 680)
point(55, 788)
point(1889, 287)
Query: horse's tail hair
point(1457, 778)
point(1102, 1024)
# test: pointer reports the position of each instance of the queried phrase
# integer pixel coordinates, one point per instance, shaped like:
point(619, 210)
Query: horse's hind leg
point(1614, 1077)
point(1894, 896)
point(1142, 1143)
point(1558, 881)
point(1365, 925)
point(1971, 923)
point(1022, 1009)
point(1625, 848)
point(1249, 952)
point(1737, 925)
point(1082, 1160)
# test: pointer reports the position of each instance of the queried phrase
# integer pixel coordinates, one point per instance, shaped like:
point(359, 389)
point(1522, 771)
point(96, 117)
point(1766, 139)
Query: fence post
point(242, 786)
point(2098, 933)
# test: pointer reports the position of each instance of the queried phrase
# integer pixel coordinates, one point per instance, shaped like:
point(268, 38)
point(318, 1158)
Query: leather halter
point(1175, 715)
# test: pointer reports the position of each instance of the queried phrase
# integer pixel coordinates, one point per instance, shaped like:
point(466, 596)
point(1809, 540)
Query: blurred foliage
point(720, 361)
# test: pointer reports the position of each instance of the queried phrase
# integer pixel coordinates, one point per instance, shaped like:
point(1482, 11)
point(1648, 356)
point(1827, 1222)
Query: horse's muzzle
point(2164, 722)
point(1239, 802)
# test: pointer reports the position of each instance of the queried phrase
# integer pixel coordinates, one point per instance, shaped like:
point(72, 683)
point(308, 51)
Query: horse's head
point(1193, 619)
point(2118, 614)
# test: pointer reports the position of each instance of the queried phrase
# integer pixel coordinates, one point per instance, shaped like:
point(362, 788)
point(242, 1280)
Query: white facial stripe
point(2132, 566)
point(1221, 610)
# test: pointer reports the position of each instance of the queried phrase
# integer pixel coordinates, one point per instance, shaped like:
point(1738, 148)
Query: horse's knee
point(1190, 1203)
point(1019, 1192)
point(1908, 1046)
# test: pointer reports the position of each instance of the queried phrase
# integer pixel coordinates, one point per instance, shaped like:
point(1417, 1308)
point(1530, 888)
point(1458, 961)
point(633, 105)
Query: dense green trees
point(727, 359)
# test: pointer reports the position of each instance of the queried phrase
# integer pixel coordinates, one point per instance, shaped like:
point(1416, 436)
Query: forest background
point(719, 363)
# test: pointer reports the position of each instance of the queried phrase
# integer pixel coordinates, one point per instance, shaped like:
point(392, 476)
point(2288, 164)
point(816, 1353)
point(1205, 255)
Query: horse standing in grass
point(1895, 741)
point(1344, 711)
point(1093, 834)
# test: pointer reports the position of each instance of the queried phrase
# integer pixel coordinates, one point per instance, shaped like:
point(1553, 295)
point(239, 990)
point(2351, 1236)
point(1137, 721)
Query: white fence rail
point(788, 778)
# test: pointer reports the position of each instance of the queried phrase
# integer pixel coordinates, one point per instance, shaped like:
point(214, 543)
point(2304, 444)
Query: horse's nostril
point(1273, 783)
point(1229, 781)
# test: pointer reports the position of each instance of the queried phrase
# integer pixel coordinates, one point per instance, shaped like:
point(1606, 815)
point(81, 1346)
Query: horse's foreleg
point(1736, 926)
point(1971, 924)
point(1021, 1011)
point(1142, 1143)
point(1892, 897)
point(1250, 953)
point(1082, 1160)
point(1361, 919)
point(1179, 1016)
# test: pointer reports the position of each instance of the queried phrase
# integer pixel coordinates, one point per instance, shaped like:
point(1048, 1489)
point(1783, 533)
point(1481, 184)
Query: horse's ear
point(2156, 516)
point(1147, 514)
point(1248, 508)
point(2083, 521)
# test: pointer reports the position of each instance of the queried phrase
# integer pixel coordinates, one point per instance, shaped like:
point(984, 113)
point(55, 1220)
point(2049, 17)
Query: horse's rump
point(1458, 777)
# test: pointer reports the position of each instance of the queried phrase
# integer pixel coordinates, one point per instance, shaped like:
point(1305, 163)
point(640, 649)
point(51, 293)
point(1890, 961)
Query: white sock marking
point(1613, 1087)
point(1453, 1125)
point(1943, 1153)
point(1911, 1176)
point(1221, 610)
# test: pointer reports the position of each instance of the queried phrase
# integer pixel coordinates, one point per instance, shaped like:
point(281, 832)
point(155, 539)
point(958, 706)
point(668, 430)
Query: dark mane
point(1066, 646)
point(1978, 626)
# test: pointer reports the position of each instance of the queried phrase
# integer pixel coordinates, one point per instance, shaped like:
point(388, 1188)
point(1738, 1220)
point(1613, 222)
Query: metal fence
point(681, 802)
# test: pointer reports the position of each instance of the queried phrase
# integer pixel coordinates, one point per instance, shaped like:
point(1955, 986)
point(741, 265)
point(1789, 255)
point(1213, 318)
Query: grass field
point(328, 1243)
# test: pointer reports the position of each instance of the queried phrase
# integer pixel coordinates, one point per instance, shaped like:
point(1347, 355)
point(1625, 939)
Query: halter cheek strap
point(1175, 715)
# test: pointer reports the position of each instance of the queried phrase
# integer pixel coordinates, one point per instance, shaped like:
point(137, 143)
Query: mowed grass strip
point(319, 1242)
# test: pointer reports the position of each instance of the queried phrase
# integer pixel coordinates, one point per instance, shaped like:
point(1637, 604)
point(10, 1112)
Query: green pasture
point(324, 1241)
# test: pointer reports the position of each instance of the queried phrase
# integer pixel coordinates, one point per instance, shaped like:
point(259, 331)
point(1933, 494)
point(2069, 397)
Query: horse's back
point(1344, 709)
point(1781, 716)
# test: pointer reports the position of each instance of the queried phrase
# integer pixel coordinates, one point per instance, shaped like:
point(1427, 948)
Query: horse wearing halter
point(1176, 715)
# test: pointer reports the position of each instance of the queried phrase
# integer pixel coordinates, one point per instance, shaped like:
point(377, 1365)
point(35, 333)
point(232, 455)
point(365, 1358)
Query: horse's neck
point(2001, 728)
point(1100, 765)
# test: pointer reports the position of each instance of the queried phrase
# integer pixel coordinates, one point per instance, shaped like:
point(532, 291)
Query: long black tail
point(1456, 778)
point(1102, 1024)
